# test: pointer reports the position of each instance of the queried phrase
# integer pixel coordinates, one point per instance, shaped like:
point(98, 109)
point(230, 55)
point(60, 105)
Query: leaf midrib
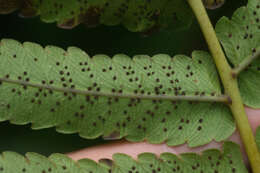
point(219, 98)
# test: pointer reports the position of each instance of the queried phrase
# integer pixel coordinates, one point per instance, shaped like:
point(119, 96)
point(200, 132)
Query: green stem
point(230, 84)
point(245, 63)
point(201, 98)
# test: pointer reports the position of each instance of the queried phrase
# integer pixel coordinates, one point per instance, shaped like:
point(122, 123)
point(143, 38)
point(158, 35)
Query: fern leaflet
point(211, 161)
point(240, 38)
point(135, 15)
point(119, 97)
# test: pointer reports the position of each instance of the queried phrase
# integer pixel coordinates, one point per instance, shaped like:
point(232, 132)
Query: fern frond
point(211, 161)
point(135, 15)
point(138, 99)
point(240, 38)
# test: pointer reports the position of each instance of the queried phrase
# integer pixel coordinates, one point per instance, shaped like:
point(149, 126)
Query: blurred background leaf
point(100, 40)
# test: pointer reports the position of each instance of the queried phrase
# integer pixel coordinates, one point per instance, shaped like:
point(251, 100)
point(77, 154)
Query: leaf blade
point(240, 37)
point(107, 115)
point(211, 160)
point(136, 16)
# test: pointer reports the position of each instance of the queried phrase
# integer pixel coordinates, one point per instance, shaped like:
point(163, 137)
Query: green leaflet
point(258, 137)
point(212, 161)
point(112, 101)
point(240, 37)
point(135, 15)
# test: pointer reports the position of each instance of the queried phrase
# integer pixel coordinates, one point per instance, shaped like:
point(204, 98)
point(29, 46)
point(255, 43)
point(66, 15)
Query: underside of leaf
point(135, 15)
point(240, 38)
point(115, 98)
point(211, 161)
